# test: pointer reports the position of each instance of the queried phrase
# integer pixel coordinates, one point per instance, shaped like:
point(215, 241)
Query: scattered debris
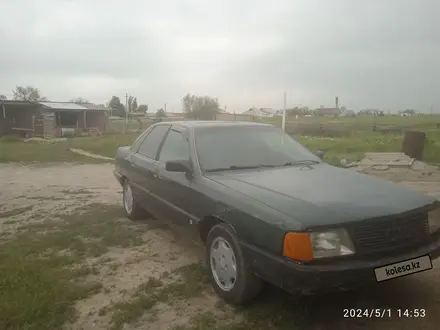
point(41, 140)
point(386, 159)
point(89, 154)
point(346, 164)
point(392, 164)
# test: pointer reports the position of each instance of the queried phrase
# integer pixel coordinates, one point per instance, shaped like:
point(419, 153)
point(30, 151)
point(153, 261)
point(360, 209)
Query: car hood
point(323, 194)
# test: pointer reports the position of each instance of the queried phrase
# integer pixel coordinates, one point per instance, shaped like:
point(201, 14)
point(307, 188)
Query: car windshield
point(241, 147)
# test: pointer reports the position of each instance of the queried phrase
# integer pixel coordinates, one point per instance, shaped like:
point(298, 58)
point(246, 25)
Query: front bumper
point(342, 275)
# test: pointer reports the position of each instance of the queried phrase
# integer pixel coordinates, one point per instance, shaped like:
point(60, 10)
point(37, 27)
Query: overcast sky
point(372, 54)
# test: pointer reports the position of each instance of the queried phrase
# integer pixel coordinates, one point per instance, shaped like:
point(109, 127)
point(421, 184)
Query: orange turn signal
point(298, 246)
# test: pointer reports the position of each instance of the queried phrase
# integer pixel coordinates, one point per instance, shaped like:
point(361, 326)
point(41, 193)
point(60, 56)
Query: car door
point(142, 165)
point(173, 189)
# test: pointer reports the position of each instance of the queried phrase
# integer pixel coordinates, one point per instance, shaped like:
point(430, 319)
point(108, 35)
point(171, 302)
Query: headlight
point(434, 220)
point(331, 243)
point(315, 245)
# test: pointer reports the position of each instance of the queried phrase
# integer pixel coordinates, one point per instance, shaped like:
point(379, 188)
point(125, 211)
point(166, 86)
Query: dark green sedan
point(269, 209)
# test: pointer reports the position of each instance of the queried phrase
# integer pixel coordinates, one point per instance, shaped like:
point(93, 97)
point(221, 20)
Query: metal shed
point(52, 119)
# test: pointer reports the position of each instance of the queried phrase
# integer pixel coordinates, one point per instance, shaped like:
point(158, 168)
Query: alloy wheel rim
point(128, 198)
point(223, 264)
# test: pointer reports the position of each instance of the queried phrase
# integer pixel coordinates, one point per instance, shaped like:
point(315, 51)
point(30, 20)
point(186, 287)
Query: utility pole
point(283, 121)
point(126, 113)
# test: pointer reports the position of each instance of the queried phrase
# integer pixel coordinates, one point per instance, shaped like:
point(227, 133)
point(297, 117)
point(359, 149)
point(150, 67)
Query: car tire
point(132, 209)
point(246, 285)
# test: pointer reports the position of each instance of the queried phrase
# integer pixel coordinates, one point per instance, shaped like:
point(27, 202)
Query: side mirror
point(178, 166)
point(319, 153)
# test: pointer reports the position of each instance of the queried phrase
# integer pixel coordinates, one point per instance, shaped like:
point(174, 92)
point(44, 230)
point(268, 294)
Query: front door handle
point(156, 174)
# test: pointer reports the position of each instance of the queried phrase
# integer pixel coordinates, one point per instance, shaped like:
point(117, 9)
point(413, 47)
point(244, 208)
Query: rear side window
point(151, 143)
point(138, 141)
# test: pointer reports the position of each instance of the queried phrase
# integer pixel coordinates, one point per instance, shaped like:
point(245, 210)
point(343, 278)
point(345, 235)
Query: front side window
point(151, 143)
point(175, 147)
point(248, 146)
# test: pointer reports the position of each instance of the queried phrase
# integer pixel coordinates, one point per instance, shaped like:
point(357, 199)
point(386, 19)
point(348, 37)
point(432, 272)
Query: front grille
point(393, 234)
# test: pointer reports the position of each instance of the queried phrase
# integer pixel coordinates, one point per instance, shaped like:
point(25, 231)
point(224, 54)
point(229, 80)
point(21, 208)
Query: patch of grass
point(186, 282)
point(9, 139)
point(10, 222)
point(30, 152)
point(84, 270)
point(92, 230)
point(40, 278)
point(190, 281)
point(207, 320)
point(36, 292)
point(128, 312)
point(16, 211)
point(255, 317)
point(104, 145)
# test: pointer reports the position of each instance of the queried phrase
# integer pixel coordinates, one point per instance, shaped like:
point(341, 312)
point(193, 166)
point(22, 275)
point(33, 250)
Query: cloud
point(371, 54)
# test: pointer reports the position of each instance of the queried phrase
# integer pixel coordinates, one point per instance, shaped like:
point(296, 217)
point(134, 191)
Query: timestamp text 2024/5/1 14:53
point(384, 313)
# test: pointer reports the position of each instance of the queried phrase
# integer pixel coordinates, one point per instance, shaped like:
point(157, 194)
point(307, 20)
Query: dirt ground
point(47, 190)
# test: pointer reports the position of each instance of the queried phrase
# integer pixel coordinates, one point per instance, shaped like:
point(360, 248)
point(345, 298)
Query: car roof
point(213, 123)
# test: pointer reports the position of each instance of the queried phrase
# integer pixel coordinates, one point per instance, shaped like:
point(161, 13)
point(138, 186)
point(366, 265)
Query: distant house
point(348, 113)
point(175, 115)
point(367, 112)
point(370, 112)
point(263, 112)
point(326, 112)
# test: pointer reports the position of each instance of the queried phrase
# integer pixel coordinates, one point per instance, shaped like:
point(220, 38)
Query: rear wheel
point(132, 209)
point(231, 277)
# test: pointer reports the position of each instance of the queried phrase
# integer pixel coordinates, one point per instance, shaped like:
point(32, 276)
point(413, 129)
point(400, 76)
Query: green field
point(341, 137)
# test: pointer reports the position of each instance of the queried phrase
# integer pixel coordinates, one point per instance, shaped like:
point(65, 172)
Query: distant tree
point(79, 100)
point(27, 93)
point(134, 105)
point(131, 103)
point(3, 97)
point(296, 111)
point(306, 111)
point(142, 108)
point(200, 107)
point(188, 102)
point(161, 113)
point(116, 107)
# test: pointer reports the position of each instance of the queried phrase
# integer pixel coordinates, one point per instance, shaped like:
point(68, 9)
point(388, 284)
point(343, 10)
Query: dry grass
point(41, 271)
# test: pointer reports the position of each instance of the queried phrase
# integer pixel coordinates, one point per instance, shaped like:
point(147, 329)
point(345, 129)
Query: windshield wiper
point(302, 162)
point(238, 167)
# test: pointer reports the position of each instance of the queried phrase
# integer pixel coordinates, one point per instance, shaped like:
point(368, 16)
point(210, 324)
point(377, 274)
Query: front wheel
point(132, 209)
point(231, 277)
